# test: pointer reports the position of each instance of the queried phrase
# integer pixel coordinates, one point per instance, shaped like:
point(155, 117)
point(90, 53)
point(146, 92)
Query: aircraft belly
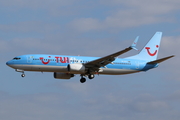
point(62, 69)
point(41, 68)
point(21, 67)
point(48, 68)
point(117, 71)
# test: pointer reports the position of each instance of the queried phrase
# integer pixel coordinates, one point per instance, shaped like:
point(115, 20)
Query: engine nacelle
point(76, 68)
point(59, 75)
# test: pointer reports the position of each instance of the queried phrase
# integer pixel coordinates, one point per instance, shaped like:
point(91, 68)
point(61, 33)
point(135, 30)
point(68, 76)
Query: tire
point(83, 80)
point(91, 76)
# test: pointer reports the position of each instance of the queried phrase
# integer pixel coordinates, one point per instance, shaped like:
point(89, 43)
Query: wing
point(102, 62)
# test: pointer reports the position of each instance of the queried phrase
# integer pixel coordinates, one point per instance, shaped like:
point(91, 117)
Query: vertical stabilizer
point(151, 49)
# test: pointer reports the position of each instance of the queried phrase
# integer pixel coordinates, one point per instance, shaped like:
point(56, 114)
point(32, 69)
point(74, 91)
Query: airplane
point(65, 66)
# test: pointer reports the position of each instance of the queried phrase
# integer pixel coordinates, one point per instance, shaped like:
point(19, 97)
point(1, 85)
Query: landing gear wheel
point(23, 75)
point(83, 80)
point(91, 76)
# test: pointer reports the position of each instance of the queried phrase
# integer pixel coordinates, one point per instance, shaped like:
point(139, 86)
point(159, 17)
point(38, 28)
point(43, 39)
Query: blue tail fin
point(151, 49)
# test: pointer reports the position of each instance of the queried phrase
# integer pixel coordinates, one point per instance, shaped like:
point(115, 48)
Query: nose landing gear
point(22, 71)
point(22, 75)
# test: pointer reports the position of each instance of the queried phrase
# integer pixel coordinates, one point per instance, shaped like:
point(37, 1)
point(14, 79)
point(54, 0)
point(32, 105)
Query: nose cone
point(8, 63)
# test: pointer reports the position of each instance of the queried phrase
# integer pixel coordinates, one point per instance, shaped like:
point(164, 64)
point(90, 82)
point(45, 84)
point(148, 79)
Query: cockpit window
point(16, 58)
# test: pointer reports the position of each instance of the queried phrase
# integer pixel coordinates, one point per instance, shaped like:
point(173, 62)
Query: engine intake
point(76, 68)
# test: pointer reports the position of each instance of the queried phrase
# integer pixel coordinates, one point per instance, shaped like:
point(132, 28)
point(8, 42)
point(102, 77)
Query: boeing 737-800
point(65, 67)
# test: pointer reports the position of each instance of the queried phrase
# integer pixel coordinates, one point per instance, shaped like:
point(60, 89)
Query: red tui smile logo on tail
point(148, 50)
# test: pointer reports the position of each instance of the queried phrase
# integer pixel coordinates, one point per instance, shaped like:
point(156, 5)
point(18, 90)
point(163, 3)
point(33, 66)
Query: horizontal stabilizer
point(160, 60)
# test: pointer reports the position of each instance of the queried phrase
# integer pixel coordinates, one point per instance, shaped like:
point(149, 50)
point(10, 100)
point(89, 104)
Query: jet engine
point(76, 68)
point(59, 75)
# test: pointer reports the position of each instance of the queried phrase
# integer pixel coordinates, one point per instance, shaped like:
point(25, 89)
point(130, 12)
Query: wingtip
point(158, 32)
point(133, 46)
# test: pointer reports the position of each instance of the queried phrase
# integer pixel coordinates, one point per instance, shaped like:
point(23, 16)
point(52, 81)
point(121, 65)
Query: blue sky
point(89, 28)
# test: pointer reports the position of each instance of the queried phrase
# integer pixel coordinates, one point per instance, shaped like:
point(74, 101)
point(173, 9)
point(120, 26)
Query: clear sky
point(89, 28)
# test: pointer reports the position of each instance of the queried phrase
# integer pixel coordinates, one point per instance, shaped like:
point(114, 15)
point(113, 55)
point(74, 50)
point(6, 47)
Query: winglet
point(133, 46)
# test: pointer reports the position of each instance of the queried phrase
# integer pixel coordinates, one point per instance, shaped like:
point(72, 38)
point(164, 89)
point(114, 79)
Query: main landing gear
point(83, 80)
point(91, 76)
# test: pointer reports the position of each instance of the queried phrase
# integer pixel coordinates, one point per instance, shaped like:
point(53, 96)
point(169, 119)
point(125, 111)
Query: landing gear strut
point(22, 71)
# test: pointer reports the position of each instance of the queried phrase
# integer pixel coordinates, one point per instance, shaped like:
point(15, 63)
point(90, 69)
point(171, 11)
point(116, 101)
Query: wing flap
point(107, 59)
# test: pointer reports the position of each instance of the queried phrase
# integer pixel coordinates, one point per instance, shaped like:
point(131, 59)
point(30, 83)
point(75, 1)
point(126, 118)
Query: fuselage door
point(137, 64)
point(29, 59)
